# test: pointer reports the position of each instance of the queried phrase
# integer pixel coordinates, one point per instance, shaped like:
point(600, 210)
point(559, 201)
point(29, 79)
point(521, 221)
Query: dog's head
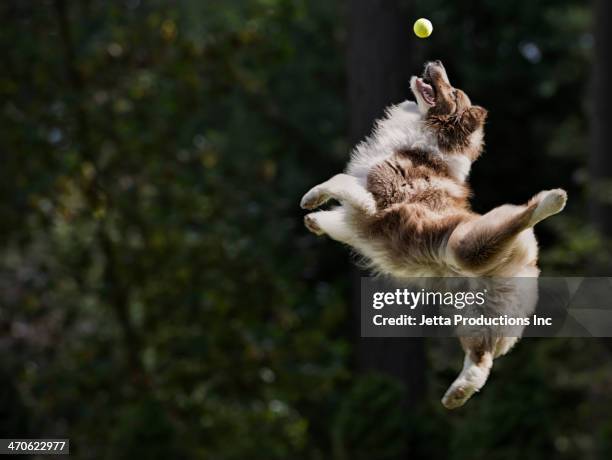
point(448, 112)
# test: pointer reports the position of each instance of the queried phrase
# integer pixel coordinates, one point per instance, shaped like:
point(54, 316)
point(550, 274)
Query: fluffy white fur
point(404, 127)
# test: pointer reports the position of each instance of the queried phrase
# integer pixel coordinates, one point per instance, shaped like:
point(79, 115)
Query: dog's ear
point(474, 117)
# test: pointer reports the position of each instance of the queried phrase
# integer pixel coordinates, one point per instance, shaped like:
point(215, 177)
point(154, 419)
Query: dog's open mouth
point(428, 93)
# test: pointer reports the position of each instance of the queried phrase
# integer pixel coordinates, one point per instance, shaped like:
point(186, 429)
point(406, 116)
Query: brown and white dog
point(404, 208)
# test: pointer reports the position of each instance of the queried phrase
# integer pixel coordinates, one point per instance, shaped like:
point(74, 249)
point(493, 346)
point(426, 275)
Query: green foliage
point(371, 422)
point(154, 251)
point(144, 431)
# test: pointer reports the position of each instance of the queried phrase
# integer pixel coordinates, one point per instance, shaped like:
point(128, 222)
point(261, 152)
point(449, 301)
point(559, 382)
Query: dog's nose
point(436, 63)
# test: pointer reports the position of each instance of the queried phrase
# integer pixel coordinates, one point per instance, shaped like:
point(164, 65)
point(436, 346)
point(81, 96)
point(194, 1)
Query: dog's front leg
point(344, 188)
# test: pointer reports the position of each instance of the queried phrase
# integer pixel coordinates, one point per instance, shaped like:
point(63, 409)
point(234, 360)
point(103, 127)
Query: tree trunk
point(600, 158)
point(381, 59)
point(601, 151)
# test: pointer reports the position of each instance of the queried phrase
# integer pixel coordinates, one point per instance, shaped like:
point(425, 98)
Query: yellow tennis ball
point(423, 28)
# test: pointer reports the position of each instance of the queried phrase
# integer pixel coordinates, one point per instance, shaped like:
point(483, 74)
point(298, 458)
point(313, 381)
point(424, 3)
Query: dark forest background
point(159, 295)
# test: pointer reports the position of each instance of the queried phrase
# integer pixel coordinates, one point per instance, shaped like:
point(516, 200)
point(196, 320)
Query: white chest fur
point(401, 128)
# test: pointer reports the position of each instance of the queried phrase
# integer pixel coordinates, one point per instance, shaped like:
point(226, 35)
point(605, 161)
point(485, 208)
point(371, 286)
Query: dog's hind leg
point(482, 243)
point(476, 368)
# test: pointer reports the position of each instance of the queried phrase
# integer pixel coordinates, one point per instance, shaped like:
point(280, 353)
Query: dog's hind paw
point(457, 395)
point(550, 202)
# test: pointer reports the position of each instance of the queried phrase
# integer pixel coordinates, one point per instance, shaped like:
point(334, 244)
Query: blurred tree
point(600, 164)
point(381, 58)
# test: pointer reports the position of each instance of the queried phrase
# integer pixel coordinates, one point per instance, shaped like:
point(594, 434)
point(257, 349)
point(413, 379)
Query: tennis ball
point(423, 28)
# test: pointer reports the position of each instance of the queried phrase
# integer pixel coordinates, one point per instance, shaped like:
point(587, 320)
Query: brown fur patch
point(453, 118)
point(453, 131)
point(478, 346)
point(419, 204)
point(485, 247)
point(423, 158)
point(410, 176)
point(411, 234)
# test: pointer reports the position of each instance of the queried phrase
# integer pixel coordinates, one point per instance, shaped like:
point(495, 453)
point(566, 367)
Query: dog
point(404, 208)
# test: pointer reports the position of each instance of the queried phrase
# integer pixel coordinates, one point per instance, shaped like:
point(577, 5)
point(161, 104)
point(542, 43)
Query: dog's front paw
point(314, 198)
point(310, 221)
